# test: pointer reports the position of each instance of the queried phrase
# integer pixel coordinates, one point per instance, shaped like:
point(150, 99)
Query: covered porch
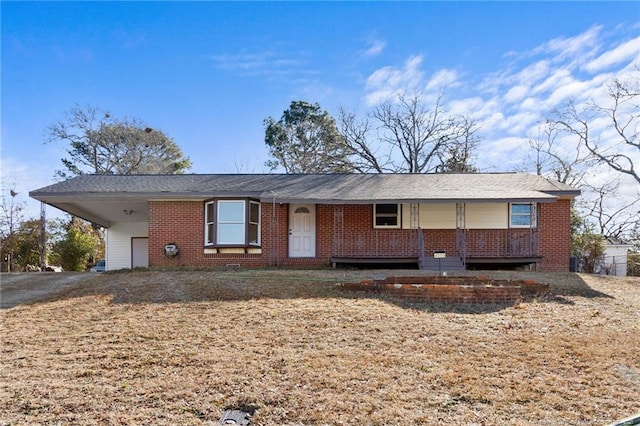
point(455, 248)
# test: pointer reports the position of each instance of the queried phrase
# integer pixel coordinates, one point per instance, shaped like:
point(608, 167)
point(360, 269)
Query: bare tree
point(622, 152)
point(457, 156)
point(625, 116)
point(606, 134)
point(10, 220)
point(413, 138)
point(613, 219)
point(550, 159)
point(364, 156)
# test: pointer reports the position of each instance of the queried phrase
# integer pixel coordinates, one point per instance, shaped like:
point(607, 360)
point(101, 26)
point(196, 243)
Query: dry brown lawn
point(179, 348)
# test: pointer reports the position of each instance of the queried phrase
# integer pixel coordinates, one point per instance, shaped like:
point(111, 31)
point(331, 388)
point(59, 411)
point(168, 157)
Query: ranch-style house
point(262, 220)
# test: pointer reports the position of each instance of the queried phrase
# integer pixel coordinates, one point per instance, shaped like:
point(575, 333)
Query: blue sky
point(209, 73)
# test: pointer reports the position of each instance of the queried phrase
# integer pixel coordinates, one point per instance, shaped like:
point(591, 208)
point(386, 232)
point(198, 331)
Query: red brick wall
point(275, 238)
point(453, 289)
point(179, 222)
point(440, 239)
point(182, 223)
point(555, 235)
point(350, 233)
point(355, 235)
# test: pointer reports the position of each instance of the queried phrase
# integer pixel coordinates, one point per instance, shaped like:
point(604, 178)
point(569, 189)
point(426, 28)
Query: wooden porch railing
point(506, 243)
point(378, 243)
point(412, 243)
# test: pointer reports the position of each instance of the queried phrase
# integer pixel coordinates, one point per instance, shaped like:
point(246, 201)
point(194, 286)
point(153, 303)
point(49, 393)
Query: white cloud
point(554, 64)
point(565, 92)
point(502, 154)
point(387, 83)
point(528, 76)
point(468, 106)
point(519, 123)
point(530, 104)
point(533, 72)
point(627, 51)
point(557, 78)
point(579, 47)
point(375, 48)
point(486, 112)
point(516, 93)
point(510, 103)
point(443, 79)
point(265, 62)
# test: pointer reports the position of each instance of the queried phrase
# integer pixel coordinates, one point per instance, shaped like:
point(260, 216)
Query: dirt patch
point(181, 347)
point(18, 288)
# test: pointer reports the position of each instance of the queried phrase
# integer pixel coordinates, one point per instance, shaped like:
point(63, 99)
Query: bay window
point(232, 223)
point(254, 223)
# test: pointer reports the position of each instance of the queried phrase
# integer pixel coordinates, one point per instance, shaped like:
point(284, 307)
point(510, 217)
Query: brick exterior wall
point(555, 235)
point(178, 222)
point(182, 223)
point(440, 239)
point(340, 231)
point(352, 227)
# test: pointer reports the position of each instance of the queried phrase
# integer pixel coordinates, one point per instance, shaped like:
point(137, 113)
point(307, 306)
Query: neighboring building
point(614, 260)
point(309, 220)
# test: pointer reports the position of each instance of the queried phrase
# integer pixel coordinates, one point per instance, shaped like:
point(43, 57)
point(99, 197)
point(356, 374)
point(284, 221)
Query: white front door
point(302, 230)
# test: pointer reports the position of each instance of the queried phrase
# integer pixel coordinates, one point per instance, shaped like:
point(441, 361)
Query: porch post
point(461, 231)
point(534, 231)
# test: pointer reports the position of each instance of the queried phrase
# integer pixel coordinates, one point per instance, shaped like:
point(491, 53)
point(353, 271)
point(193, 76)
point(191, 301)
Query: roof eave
point(164, 195)
point(82, 214)
point(297, 200)
point(571, 194)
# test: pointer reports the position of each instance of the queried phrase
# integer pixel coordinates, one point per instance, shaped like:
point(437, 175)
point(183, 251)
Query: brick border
point(453, 289)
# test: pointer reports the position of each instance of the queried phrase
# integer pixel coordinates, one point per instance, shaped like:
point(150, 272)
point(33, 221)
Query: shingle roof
point(326, 188)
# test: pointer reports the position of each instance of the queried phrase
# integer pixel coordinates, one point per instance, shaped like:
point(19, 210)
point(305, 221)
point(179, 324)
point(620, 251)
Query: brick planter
point(453, 289)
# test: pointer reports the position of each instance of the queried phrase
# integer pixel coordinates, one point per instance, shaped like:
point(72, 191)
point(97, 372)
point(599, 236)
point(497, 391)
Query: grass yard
point(178, 348)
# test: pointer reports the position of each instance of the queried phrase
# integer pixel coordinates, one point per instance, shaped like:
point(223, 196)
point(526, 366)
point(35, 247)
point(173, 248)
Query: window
point(230, 227)
point(209, 223)
point(522, 215)
point(232, 223)
point(386, 215)
point(254, 223)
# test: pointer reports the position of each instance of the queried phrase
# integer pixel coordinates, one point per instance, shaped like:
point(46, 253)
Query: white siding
point(119, 243)
point(487, 215)
point(443, 216)
point(432, 216)
point(615, 260)
point(438, 216)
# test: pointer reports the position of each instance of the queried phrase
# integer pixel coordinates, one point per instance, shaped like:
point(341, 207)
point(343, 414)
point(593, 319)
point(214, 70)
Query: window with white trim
point(209, 223)
point(254, 223)
point(232, 223)
point(522, 215)
point(386, 215)
point(230, 227)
